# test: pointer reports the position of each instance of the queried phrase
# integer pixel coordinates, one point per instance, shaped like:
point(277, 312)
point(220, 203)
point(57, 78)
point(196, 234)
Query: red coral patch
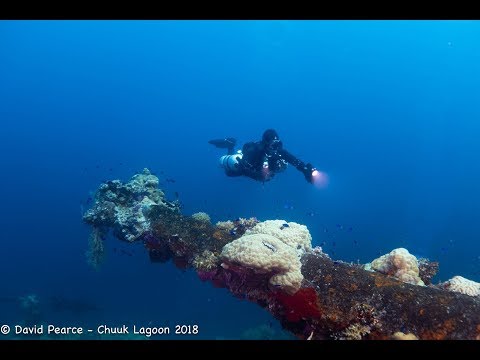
point(302, 304)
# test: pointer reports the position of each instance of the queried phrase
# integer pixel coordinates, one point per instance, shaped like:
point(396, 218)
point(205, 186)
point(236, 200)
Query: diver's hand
point(307, 172)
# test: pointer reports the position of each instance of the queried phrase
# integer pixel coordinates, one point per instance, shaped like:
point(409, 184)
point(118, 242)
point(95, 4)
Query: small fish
point(355, 242)
point(339, 226)
point(176, 194)
point(311, 213)
point(270, 246)
point(233, 232)
point(350, 229)
point(284, 226)
point(325, 230)
point(288, 206)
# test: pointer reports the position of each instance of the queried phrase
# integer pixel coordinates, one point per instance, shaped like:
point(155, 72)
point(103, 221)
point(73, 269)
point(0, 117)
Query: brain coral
point(399, 263)
point(201, 217)
point(292, 234)
point(461, 285)
point(265, 253)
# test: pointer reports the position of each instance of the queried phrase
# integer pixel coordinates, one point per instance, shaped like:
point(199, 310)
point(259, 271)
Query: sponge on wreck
point(400, 264)
point(292, 234)
point(265, 254)
point(462, 285)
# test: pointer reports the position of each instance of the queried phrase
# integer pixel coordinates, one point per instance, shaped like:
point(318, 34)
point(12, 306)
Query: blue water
point(387, 109)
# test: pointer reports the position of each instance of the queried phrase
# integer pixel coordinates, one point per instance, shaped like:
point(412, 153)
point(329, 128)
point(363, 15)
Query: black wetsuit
point(255, 154)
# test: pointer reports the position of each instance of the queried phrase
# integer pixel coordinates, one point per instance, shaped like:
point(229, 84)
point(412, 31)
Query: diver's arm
point(305, 169)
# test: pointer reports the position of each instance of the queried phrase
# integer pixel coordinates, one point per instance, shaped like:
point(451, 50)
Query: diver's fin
point(227, 143)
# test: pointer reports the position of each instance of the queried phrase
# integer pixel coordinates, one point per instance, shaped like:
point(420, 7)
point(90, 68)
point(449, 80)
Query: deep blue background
point(388, 109)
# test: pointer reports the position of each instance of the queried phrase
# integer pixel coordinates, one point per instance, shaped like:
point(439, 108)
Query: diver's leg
point(227, 143)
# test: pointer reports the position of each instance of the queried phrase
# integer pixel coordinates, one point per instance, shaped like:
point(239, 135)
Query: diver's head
point(270, 136)
point(271, 140)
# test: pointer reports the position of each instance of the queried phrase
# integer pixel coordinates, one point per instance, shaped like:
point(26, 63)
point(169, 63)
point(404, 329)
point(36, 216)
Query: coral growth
point(400, 264)
point(127, 208)
point(401, 336)
point(158, 250)
point(225, 225)
point(96, 249)
point(266, 254)
point(427, 270)
point(238, 227)
point(461, 285)
point(301, 305)
point(355, 331)
point(201, 217)
point(206, 261)
point(272, 246)
point(292, 234)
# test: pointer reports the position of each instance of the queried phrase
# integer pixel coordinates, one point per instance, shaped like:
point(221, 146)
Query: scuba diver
point(261, 160)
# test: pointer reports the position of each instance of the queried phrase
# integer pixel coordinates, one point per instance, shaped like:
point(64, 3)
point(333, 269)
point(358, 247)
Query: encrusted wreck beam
point(354, 303)
point(339, 300)
point(335, 300)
